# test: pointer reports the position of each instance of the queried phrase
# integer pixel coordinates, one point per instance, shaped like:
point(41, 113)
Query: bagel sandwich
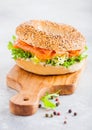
point(47, 48)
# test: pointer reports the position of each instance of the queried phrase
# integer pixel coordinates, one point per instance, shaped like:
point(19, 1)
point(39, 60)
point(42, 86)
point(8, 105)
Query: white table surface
point(77, 13)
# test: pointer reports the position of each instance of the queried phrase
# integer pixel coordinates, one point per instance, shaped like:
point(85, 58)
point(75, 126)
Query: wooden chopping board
point(32, 87)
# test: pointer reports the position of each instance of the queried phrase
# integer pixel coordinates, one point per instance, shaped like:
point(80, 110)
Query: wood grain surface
point(32, 87)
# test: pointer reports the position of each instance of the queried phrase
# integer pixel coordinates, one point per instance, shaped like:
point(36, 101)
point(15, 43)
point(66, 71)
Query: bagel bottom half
point(40, 69)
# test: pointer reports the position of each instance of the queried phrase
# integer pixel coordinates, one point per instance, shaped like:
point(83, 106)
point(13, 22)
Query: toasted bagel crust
point(48, 69)
point(52, 36)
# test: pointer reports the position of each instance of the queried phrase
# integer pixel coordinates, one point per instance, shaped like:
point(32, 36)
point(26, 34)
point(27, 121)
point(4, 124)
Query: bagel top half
point(49, 35)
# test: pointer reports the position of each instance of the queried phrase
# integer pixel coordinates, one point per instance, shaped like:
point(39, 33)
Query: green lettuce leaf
point(73, 60)
point(18, 53)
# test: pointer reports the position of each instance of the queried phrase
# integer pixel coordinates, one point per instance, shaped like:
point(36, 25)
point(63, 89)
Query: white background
point(77, 13)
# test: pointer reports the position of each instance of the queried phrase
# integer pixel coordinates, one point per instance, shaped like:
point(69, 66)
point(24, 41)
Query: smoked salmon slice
point(41, 53)
point(38, 52)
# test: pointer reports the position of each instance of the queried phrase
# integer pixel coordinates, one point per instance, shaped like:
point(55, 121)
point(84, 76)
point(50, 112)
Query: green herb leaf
point(86, 48)
point(14, 38)
point(10, 45)
point(47, 102)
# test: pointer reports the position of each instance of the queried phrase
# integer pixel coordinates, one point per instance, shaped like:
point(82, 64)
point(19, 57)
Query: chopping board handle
point(26, 102)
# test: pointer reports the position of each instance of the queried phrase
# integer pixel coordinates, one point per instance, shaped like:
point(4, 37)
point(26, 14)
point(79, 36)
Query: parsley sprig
point(47, 102)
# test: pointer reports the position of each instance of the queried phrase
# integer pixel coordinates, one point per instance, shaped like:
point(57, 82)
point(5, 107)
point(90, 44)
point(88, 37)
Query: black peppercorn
point(69, 111)
point(51, 115)
point(75, 114)
point(46, 115)
point(57, 104)
point(65, 122)
point(52, 97)
point(40, 106)
point(58, 113)
point(54, 113)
